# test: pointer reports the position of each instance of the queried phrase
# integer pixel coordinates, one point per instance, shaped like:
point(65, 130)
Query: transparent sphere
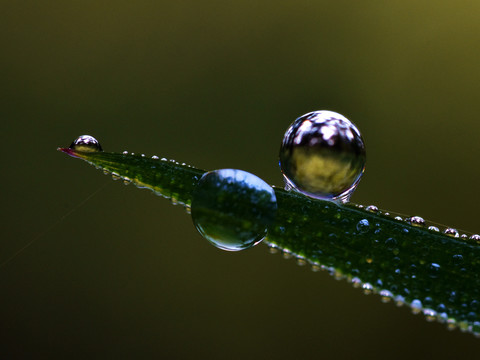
point(233, 208)
point(323, 156)
point(86, 143)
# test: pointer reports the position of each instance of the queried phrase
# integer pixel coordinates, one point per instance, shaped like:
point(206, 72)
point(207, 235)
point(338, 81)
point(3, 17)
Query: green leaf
point(433, 272)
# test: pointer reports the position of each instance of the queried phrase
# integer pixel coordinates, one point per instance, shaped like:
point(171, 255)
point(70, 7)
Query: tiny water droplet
point(233, 208)
point(475, 237)
point(433, 228)
point(363, 226)
point(434, 270)
point(323, 156)
point(416, 306)
point(372, 208)
point(451, 232)
point(125, 152)
point(417, 221)
point(301, 261)
point(399, 218)
point(155, 157)
point(86, 143)
point(386, 296)
point(367, 288)
point(430, 314)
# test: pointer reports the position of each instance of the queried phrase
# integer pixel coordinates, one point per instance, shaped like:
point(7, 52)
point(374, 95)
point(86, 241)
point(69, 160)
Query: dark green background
point(216, 84)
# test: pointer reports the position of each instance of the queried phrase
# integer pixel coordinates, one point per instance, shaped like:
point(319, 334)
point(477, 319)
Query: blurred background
point(215, 84)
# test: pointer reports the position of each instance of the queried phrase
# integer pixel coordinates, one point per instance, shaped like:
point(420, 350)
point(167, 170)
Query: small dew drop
point(86, 143)
point(372, 208)
point(323, 156)
point(363, 226)
point(367, 288)
point(155, 157)
point(416, 306)
point(434, 270)
point(386, 296)
point(430, 315)
point(417, 221)
point(233, 208)
point(433, 228)
point(451, 232)
point(399, 218)
point(125, 152)
point(475, 237)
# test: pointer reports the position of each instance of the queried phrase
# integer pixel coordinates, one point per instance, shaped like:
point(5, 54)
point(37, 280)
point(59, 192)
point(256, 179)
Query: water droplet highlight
point(323, 156)
point(233, 208)
point(86, 143)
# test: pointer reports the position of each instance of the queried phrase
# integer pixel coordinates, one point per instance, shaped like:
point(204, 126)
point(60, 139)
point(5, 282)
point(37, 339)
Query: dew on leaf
point(86, 143)
point(323, 156)
point(233, 208)
point(363, 226)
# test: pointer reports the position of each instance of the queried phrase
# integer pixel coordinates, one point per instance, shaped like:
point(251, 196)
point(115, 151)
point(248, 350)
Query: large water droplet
point(86, 143)
point(233, 208)
point(323, 156)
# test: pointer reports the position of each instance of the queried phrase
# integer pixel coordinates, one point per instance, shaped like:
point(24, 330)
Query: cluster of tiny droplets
point(386, 296)
point(128, 181)
point(420, 222)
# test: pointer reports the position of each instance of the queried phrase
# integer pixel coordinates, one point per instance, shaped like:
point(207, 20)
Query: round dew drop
point(323, 156)
point(86, 143)
point(233, 208)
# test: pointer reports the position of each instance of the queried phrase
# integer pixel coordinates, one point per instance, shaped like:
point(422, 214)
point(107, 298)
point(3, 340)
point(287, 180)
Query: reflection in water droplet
point(323, 156)
point(475, 237)
point(372, 208)
point(232, 208)
point(433, 228)
point(363, 226)
point(86, 143)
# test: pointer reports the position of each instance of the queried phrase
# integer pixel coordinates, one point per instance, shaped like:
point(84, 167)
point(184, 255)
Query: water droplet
point(232, 208)
point(399, 218)
point(434, 270)
point(475, 237)
point(452, 232)
point(363, 226)
point(391, 243)
point(386, 296)
point(433, 228)
point(399, 300)
point(155, 157)
point(356, 282)
point(125, 152)
point(86, 143)
point(417, 221)
point(416, 306)
point(367, 288)
point(430, 314)
point(323, 156)
point(372, 208)
point(301, 261)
